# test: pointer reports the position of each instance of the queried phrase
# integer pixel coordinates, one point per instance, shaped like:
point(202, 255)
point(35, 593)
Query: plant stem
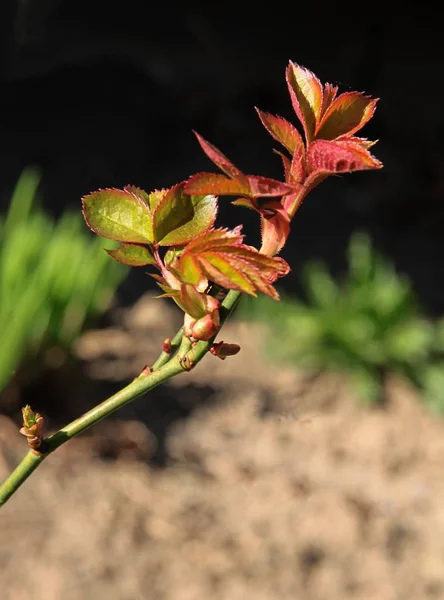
point(165, 367)
point(164, 357)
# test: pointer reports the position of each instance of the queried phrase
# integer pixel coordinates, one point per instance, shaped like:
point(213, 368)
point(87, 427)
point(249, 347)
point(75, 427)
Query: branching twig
point(183, 357)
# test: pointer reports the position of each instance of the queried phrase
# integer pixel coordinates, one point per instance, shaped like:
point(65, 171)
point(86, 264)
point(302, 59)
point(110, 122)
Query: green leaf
point(118, 215)
point(135, 255)
point(205, 211)
point(137, 191)
point(174, 210)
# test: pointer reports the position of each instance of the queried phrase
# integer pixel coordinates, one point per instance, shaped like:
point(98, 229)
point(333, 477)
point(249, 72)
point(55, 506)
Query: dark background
point(101, 94)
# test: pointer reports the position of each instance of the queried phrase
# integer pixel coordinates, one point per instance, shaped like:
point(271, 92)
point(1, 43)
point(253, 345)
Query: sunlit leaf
point(246, 203)
point(340, 157)
point(282, 131)
point(264, 187)
point(174, 210)
point(135, 255)
point(275, 229)
point(306, 95)
point(346, 115)
point(213, 183)
point(139, 193)
point(219, 159)
point(220, 257)
point(192, 301)
point(252, 186)
point(296, 173)
point(328, 95)
point(205, 211)
point(118, 215)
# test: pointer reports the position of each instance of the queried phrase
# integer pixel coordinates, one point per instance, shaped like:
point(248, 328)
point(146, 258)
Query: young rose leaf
point(219, 159)
point(220, 257)
point(192, 301)
point(213, 183)
point(205, 211)
point(135, 255)
point(306, 96)
point(252, 186)
point(137, 191)
point(346, 115)
point(174, 210)
point(282, 131)
point(275, 229)
point(286, 163)
point(246, 203)
point(297, 168)
point(118, 215)
point(264, 187)
point(217, 267)
point(215, 238)
point(340, 157)
point(329, 94)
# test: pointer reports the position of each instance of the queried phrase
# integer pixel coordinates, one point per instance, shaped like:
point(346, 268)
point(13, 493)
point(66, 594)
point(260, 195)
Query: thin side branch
point(182, 357)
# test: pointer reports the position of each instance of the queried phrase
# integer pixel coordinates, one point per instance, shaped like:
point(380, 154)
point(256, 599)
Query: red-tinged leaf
point(135, 255)
point(253, 186)
point(329, 94)
point(361, 152)
point(294, 169)
point(220, 257)
point(297, 167)
point(340, 157)
point(246, 203)
point(215, 238)
point(286, 163)
point(275, 230)
point(347, 114)
point(213, 183)
point(217, 268)
point(260, 282)
point(219, 159)
point(306, 96)
point(137, 191)
point(282, 131)
point(118, 215)
point(363, 142)
point(192, 301)
point(174, 210)
point(268, 266)
point(264, 187)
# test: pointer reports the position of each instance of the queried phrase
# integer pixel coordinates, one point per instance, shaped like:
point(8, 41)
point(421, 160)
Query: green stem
point(165, 367)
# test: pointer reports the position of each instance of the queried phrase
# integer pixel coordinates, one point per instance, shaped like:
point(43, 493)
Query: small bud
point(166, 346)
point(222, 350)
point(32, 427)
point(206, 327)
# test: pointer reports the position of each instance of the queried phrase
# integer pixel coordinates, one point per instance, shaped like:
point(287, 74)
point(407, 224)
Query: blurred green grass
point(54, 278)
point(366, 325)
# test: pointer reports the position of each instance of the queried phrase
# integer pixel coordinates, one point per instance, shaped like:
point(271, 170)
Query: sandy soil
point(269, 485)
